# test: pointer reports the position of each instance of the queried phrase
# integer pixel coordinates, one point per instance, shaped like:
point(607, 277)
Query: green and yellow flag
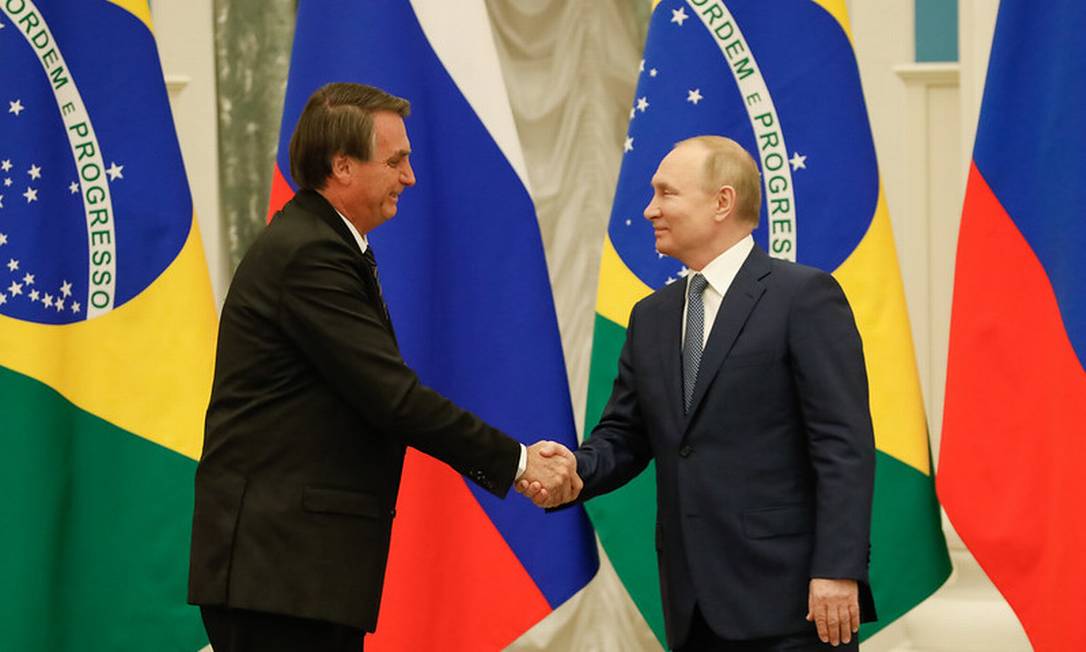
point(106, 335)
point(781, 79)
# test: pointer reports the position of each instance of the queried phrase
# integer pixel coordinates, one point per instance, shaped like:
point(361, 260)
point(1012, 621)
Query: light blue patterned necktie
point(692, 344)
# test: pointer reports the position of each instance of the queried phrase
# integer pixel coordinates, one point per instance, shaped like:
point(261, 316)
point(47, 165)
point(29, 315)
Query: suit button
point(685, 451)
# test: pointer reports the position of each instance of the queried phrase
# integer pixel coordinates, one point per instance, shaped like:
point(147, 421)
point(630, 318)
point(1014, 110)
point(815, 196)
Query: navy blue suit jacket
point(767, 481)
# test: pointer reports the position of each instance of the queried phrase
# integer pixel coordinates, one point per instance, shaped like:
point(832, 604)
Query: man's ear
point(725, 203)
point(341, 168)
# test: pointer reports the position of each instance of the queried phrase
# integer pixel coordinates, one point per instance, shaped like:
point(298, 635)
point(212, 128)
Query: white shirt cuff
point(523, 463)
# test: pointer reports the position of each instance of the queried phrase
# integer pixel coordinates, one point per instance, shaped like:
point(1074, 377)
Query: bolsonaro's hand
point(550, 478)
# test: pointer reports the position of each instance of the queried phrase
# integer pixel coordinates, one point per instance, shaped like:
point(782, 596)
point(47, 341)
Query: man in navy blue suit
point(746, 384)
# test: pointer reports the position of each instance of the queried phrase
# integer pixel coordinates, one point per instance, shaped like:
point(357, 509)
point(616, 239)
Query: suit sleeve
point(829, 372)
point(618, 448)
point(326, 313)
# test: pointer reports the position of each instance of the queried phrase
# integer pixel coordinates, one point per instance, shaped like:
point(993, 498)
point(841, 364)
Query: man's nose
point(407, 175)
point(652, 210)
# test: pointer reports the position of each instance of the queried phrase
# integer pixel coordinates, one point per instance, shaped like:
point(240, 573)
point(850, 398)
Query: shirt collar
point(363, 243)
point(721, 271)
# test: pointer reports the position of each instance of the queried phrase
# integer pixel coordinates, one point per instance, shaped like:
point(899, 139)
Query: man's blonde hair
point(728, 164)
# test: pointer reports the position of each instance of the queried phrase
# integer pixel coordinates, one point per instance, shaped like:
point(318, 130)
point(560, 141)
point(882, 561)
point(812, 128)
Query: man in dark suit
point(746, 384)
point(312, 407)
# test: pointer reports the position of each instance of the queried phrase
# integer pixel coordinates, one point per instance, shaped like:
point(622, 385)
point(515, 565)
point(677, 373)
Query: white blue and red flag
point(1013, 441)
point(465, 277)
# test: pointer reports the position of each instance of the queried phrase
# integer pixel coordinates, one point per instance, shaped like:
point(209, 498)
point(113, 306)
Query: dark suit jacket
point(311, 411)
point(767, 482)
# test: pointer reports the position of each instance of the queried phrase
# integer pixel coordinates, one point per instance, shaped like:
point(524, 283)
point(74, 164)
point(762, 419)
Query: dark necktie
point(371, 261)
point(692, 344)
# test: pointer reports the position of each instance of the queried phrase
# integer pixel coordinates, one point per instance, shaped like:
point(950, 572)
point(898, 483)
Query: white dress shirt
point(364, 244)
point(719, 273)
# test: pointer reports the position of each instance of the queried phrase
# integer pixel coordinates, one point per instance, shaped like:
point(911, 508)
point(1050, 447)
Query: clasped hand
point(550, 478)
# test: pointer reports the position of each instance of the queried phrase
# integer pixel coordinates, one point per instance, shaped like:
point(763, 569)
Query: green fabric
point(909, 558)
point(94, 552)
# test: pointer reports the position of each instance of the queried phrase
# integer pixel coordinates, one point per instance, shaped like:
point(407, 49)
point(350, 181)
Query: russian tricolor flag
point(1014, 428)
point(465, 277)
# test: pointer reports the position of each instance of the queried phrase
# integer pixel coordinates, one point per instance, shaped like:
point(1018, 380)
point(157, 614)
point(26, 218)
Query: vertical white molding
point(185, 35)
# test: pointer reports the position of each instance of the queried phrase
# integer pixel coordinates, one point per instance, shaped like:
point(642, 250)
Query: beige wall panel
point(185, 36)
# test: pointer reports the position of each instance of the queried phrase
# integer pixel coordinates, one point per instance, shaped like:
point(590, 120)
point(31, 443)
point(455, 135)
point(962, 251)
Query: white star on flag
point(642, 104)
point(59, 305)
point(798, 162)
point(73, 187)
point(28, 279)
point(628, 146)
point(1, 201)
point(15, 107)
point(34, 172)
point(48, 301)
point(114, 171)
point(683, 272)
point(641, 66)
point(629, 222)
point(31, 194)
point(12, 264)
point(694, 96)
point(3, 238)
point(7, 181)
point(652, 73)
point(75, 306)
point(670, 280)
point(15, 288)
point(34, 294)
point(6, 165)
point(3, 299)
point(633, 112)
point(66, 288)
point(679, 15)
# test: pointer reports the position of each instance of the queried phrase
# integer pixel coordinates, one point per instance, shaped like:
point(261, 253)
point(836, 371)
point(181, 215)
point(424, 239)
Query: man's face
point(376, 184)
point(681, 210)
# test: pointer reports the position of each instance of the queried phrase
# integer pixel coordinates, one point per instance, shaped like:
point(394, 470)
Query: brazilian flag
point(106, 335)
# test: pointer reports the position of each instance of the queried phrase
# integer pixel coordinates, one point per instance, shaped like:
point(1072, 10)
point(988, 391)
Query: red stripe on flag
point(453, 583)
point(281, 192)
point(1010, 465)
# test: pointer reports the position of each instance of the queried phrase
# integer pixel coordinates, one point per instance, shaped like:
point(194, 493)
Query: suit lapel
point(739, 301)
point(316, 204)
point(670, 323)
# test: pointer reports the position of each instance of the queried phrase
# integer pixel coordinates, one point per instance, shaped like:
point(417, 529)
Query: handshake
point(550, 478)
